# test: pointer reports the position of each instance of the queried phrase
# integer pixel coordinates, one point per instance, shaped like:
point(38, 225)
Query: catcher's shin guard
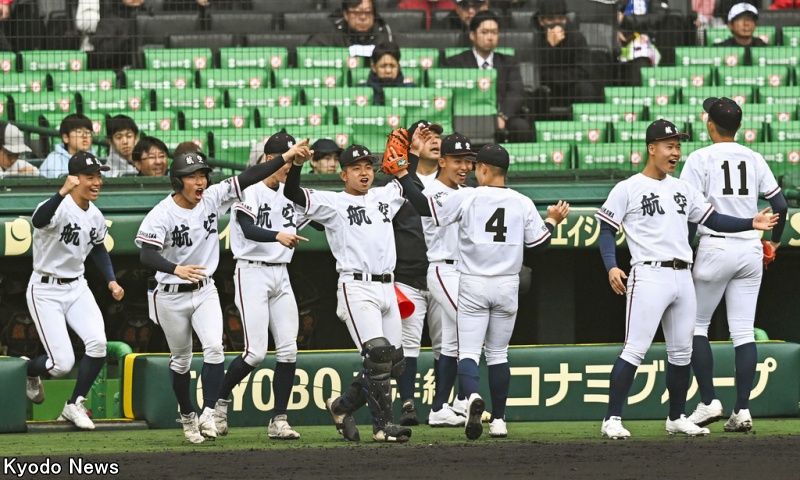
point(377, 380)
point(398, 363)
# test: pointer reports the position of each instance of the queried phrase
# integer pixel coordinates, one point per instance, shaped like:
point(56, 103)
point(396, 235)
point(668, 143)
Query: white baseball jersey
point(654, 214)
point(358, 227)
point(189, 236)
point(427, 180)
point(270, 210)
point(442, 242)
point(731, 176)
point(495, 217)
point(61, 247)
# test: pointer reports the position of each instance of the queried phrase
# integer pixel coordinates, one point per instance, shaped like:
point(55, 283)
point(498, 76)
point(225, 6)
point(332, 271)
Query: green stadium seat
point(628, 156)
point(765, 56)
point(633, 132)
point(28, 106)
point(177, 58)
point(310, 77)
point(235, 145)
point(416, 76)
point(686, 149)
point(786, 132)
point(641, 96)
point(233, 78)
point(712, 56)
point(603, 112)
point(340, 134)
point(791, 36)
point(779, 95)
point(677, 114)
point(682, 77)
point(759, 112)
point(435, 105)
point(222, 118)
point(750, 132)
point(424, 58)
point(84, 81)
point(338, 97)
point(774, 76)
point(159, 79)
point(261, 98)
point(741, 94)
point(201, 98)
point(782, 158)
point(53, 61)
point(254, 57)
point(327, 57)
point(33, 82)
point(474, 90)
point(276, 118)
point(174, 138)
point(155, 122)
point(8, 62)
point(373, 120)
point(376, 143)
point(578, 132)
point(720, 34)
point(539, 156)
point(114, 102)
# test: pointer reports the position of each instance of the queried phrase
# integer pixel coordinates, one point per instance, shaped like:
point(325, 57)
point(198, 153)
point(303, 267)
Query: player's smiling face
point(455, 169)
point(194, 185)
point(357, 177)
point(89, 188)
point(664, 156)
point(432, 148)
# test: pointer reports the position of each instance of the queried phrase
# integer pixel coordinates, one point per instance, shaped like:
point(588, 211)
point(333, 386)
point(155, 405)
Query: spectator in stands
point(326, 156)
point(108, 31)
point(460, 18)
point(427, 6)
point(706, 17)
point(484, 33)
point(76, 135)
point(359, 25)
point(122, 134)
point(742, 22)
point(562, 54)
point(652, 18)
point(150, 157)
point(12, 145)
point(784, 4)
point(5, 12)
point(385, 71)
point(257, 153)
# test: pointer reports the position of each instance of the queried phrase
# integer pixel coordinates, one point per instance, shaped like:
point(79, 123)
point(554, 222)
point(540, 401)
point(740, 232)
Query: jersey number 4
point(728, 190)
point(496, 225)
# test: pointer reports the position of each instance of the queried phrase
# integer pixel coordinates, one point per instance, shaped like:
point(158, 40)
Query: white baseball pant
point(413, 324)
point(443, 285)
point(487, 311)
point(369, 309)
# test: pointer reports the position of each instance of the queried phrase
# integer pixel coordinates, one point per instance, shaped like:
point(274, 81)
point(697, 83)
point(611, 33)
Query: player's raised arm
point(412, 191)
point(259, 172)
point(291, 188)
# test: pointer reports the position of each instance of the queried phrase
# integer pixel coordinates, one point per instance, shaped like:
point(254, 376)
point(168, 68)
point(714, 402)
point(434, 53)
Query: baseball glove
point(769, 254)
point(398, 140)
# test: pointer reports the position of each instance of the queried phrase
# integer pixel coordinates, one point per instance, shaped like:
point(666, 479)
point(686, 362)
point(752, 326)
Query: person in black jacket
point(484, 33)
point(359, 25)
point(742, 22)
point(653, 18)
point(385, 71)
point(562, 55)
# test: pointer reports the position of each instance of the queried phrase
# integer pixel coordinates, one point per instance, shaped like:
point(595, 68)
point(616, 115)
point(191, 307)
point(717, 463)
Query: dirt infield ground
point(728, 457)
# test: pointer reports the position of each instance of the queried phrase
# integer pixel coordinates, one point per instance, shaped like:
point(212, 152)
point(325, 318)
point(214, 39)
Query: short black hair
point(73, 122)
point(481, 17)
point(119, 123)
point(725, 132)
point(348, 4)
point(385, 48)
point(144, 145)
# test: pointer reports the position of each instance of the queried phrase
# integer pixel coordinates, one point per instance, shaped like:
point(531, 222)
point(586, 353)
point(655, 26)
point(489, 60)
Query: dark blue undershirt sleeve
point(316, 226)
point(608, 245)
point(726, 223)
point(42, 216)
point(259, 172)
point(415, 196)
point(536, 250)
point(291, 189)
point(779, 206)
point(152, 259)
point(253, 232)
point(103, 261)
point(692, 231)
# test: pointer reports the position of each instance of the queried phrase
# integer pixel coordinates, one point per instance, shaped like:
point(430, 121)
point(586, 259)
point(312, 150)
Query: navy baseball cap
point(279, 143)
point(86, 163)
point(433, 127)
point(457, 144)
point(724, 112)
point(493, 154)
point(663, 129)
point(354, 153)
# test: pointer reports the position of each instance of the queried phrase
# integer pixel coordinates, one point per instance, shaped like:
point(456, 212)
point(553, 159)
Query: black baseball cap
point(325, 146)
point(493, 154)
point(434, 127)
point(86, 163)
point(279, 143)
point(552, 8)
point(663, 129)
point(354, 153)
point(724, 112)
point(457, 144)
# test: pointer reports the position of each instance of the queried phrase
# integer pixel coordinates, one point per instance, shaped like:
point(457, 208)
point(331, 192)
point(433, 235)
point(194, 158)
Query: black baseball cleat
point(345, 424)
point(409, 416)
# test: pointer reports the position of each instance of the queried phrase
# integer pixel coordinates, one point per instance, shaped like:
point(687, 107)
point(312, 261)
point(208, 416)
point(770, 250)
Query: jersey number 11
point(728, 190)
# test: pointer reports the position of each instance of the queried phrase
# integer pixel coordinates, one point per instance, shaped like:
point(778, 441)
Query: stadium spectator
point(385, 71)
point(460, 18)
point(562, 54)
point(150, 157)
point(742, 22)
point(122, 134)
point(653, 19)
point(326, 156)
point(12, 145)
point(76, 135)
point(706, 14)
point(427, 6)
point(784, 4)
point(359, 25)
point(484, 33)
point(5, 12)
point(108, 31)
point(21, 26)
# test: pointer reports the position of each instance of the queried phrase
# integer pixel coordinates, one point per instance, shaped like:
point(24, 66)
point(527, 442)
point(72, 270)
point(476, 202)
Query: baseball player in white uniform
point(263, 237)
point(358, 226)
point(67, 228)
point(492, 218)
point(654, 208)
point(179, 239)
point(731, 176)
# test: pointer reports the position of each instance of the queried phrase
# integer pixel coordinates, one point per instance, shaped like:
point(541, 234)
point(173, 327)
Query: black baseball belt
point(674, 264)
point(185, 287)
